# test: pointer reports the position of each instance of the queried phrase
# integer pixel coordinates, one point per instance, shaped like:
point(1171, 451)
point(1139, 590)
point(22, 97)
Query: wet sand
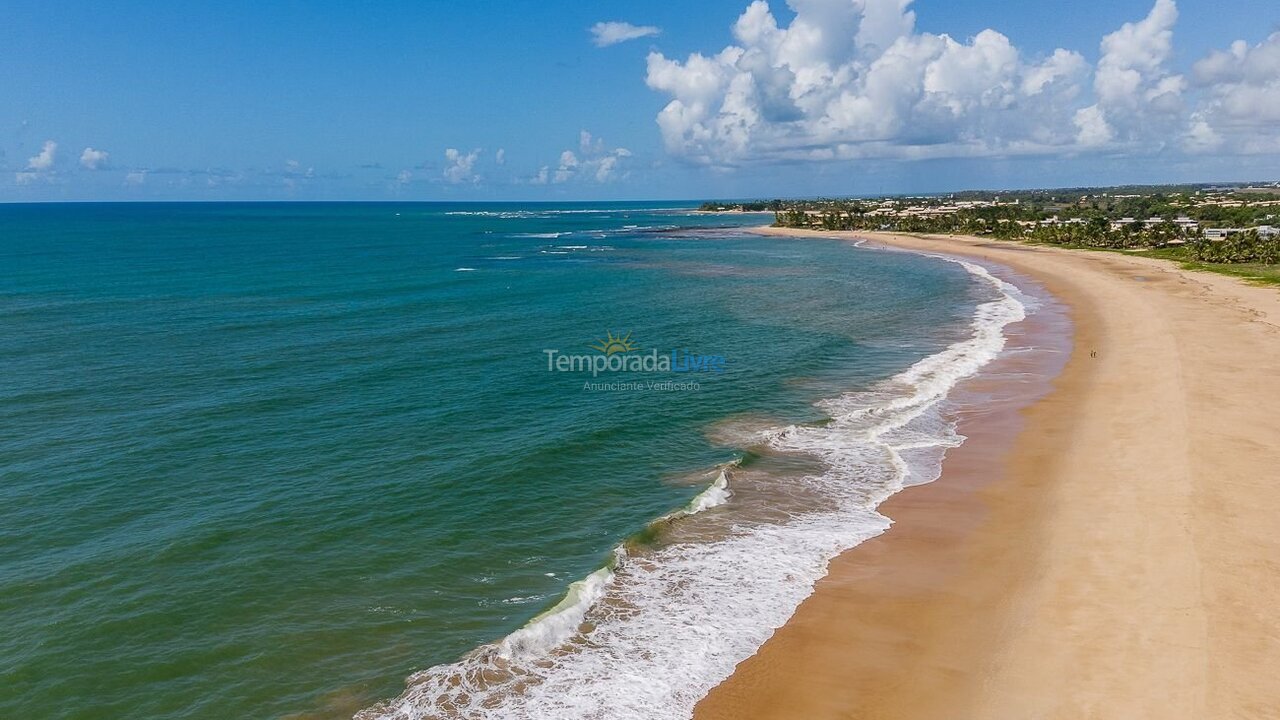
point(1103, 546)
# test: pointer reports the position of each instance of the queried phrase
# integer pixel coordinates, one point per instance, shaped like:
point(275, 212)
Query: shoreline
point(1105, 570)
point(842, 517)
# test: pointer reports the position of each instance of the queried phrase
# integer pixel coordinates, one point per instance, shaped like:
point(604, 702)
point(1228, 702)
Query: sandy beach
point(1106, 551)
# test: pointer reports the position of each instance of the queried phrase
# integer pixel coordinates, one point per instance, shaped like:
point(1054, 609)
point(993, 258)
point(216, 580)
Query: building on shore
point(1221, 233)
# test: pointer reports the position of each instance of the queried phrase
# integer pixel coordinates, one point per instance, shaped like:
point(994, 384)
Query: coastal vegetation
point(757, 206)
point(1232, 229)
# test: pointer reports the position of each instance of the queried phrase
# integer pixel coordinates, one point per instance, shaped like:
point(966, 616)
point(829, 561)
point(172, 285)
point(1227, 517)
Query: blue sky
point(415, 100)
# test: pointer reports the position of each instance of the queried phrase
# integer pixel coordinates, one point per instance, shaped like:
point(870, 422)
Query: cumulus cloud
point(852, 79)
point(39, 167)
point(1132, 67)
point(1133, 86)
point(460, 166)
point(1093, 128)
point(607, 167)
point(43, 161)
point(1242, 84)
point(500, 157)
point(604, 34)
point(568, 166)
point(136, 178)
point(92, 159)
point(593, 160)
point(1201, 137)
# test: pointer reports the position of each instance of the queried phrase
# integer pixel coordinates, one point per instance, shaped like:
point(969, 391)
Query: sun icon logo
point(612, 345)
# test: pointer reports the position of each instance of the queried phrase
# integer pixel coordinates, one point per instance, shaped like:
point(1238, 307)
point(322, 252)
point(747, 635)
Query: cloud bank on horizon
point(853, 79)
point(833, 96)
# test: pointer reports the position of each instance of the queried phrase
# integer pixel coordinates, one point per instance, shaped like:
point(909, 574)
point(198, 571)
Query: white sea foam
point(524, 214)
point(555, 626)
point(464, 269)
point(715, 495)
point(650, 635)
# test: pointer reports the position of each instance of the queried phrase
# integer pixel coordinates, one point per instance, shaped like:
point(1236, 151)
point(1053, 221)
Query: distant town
point(1237, 223)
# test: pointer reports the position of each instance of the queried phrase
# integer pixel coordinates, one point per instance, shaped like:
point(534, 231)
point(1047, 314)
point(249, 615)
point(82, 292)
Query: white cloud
point(852, 79)
point(39, 167)
point(1242, 111)
point(1134, 89)
point(500, 157)
point(403, 178)
point(1201, 137)
point(92, 159)
point(135, 178)
point(1222, 66)
point(43, 161)
point(592, 161)
point(604, 34)
point(568, 166)
point(1093, 128)
point(461, 166)
point(1134, 54)
point(607, 167)
point(1062, 65)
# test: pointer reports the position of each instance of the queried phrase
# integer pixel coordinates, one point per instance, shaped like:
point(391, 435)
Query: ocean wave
point(588, 248)
point(651, 633)
point(534, 214)
point(715, 495)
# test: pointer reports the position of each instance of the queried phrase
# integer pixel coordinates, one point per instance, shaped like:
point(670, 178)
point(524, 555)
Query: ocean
point(413, 460)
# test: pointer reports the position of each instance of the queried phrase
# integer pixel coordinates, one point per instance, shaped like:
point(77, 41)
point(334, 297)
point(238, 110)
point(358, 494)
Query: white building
point(1220, 233)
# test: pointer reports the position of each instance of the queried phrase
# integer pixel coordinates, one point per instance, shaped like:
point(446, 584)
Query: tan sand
point(1114, 552)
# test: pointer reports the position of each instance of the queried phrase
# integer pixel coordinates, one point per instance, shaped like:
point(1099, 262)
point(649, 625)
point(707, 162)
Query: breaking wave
point(651, 632)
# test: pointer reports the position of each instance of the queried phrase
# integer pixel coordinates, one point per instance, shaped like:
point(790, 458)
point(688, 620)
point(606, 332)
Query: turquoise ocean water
point(268, 460)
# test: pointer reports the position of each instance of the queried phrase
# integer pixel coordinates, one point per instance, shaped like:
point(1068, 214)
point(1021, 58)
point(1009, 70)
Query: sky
point(557, 100)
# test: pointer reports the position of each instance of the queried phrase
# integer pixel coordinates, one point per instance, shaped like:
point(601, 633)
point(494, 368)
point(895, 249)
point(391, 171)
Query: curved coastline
point(1105, 551)
point(905, 418)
